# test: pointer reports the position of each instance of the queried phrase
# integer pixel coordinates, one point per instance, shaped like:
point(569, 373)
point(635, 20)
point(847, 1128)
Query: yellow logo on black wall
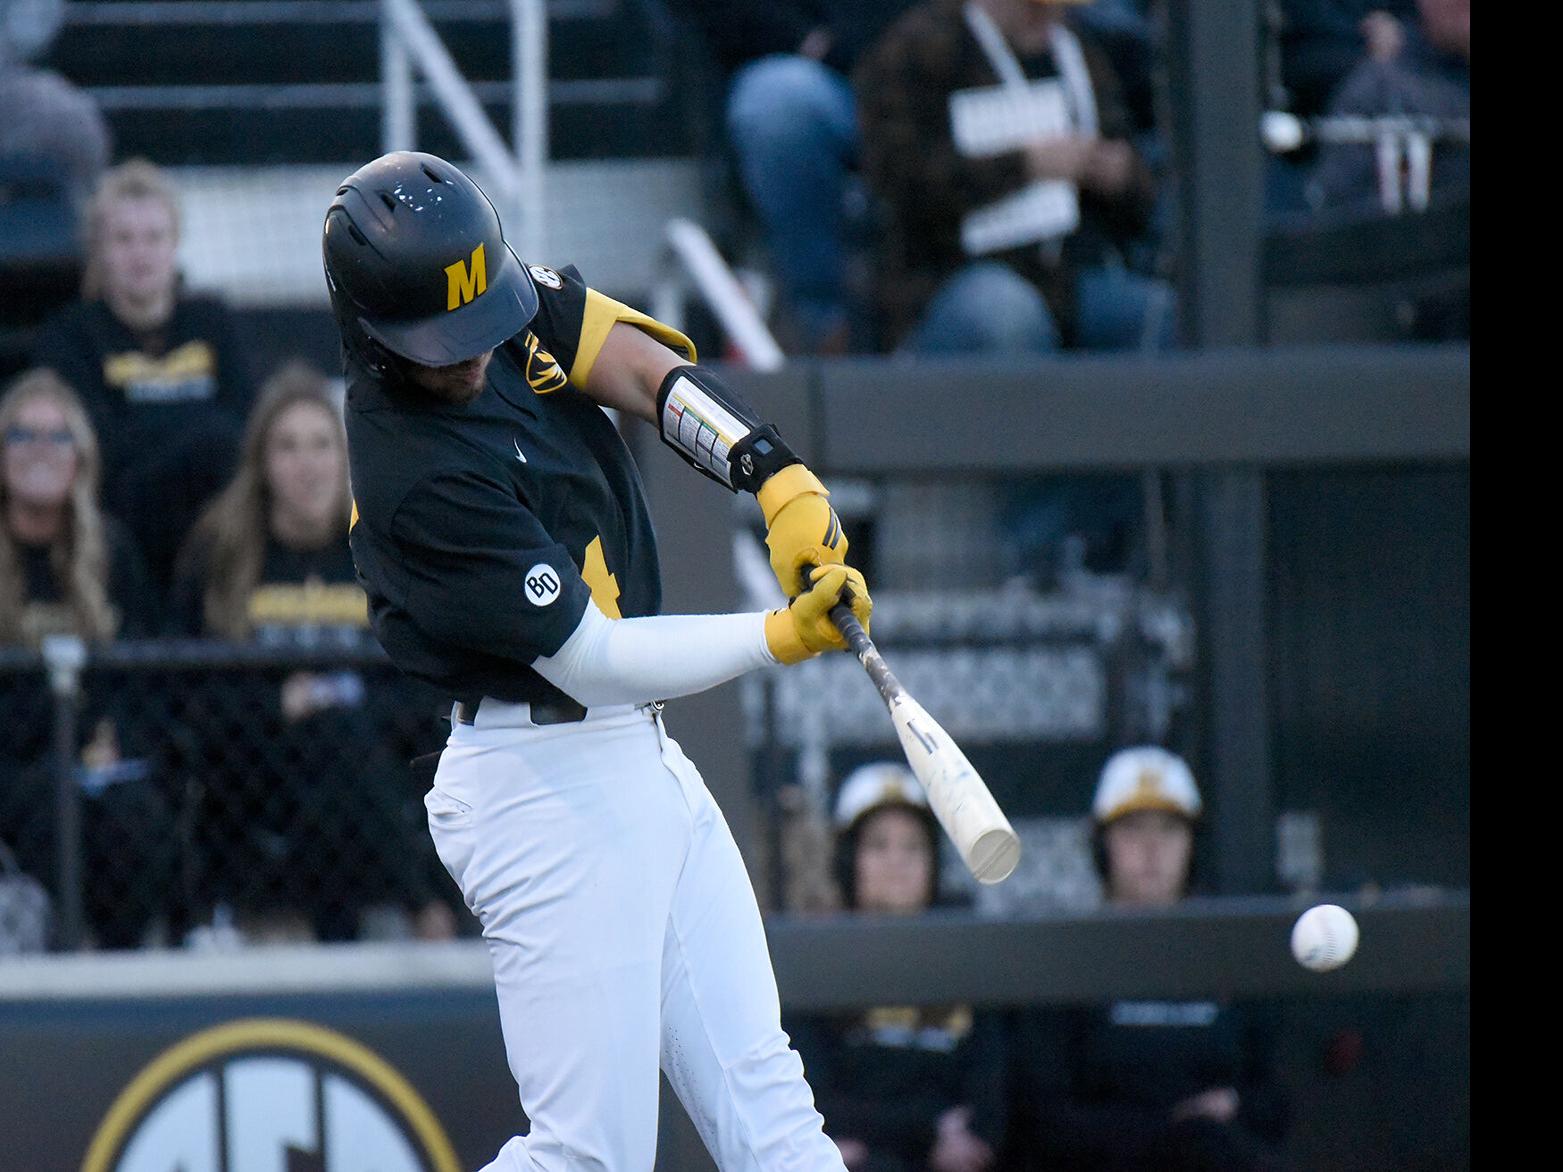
point(463, 283)
point(270, 1092)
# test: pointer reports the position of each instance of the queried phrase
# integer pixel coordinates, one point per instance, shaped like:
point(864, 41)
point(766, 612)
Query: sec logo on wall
point(269, 1093)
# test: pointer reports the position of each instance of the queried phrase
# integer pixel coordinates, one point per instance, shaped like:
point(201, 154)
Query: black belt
point(567, 712)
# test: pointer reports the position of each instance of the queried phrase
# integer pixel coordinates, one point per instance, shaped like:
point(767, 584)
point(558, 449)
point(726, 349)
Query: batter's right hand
point(804, 629)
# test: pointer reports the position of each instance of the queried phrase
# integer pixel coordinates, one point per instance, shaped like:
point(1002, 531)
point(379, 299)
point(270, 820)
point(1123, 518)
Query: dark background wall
point(1370, 579)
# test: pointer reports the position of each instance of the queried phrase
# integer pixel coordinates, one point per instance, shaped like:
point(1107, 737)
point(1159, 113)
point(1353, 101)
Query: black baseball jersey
point(481, 531)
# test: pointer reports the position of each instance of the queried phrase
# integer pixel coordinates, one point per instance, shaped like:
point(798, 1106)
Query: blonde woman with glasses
point(64, 566)
point(66, 569)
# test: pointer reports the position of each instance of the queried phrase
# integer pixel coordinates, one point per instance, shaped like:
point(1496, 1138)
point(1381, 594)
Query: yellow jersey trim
point(600, 315)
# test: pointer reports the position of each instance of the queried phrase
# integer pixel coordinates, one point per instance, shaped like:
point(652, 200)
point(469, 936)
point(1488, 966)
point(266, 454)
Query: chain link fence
point(198, 793)
point(169, 792)
point(1038, 688)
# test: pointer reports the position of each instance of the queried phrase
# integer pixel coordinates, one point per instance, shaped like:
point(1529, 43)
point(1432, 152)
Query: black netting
point(215, 793)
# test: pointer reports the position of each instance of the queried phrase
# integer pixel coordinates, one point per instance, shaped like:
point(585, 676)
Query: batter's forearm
point(631, 661)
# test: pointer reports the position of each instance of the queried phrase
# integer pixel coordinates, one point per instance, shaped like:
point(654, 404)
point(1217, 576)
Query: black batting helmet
point(417, 264)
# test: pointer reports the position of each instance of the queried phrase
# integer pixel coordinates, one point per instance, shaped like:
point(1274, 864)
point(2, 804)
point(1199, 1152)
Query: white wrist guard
point(717, 432)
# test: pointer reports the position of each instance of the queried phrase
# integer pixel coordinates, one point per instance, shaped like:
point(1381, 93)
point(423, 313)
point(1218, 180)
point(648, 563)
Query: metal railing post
point(65, 656)
point(529, 114)
point(693, 248)
point(412, 29)
point(399, 114)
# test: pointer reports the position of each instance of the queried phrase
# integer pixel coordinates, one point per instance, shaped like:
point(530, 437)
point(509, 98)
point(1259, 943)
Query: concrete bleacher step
point(253, 233)
point(208, 82)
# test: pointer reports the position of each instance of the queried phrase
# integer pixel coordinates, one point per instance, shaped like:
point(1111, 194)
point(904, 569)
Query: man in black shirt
point(501, 534)
point(161, 372)
point(1166, 1084)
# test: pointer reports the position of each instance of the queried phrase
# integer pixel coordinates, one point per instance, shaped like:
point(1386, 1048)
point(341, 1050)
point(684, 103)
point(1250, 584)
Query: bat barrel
point(956, 793)
point(994, 855)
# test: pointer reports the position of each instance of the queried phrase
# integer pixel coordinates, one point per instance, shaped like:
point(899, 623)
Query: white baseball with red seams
point(1324, 937)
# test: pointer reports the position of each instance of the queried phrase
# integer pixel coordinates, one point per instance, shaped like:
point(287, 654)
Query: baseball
point(1282, 132)
point(1324, 937)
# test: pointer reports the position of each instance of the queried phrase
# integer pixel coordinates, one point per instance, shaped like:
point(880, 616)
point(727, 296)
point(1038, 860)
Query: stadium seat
point(40, 251)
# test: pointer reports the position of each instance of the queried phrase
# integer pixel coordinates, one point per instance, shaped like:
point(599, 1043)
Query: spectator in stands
point(901, 1088)
point(46, 117)
point(1146, 1084)
point(64, 566)
point(161, 372)
point(998, 144)
point(791, 122)
point(25, 911)
point(304, 837)
point(1428, 74)
point(66, 569)
point(269, 559)
point(1324, 40)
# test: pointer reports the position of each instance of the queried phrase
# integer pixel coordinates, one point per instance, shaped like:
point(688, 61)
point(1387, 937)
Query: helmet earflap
point(374, 357)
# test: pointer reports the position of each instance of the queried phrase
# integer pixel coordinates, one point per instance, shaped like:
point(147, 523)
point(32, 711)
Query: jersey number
point(604, 586)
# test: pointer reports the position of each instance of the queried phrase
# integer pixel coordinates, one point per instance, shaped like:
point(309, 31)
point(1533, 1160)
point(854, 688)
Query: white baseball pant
point(624, 935)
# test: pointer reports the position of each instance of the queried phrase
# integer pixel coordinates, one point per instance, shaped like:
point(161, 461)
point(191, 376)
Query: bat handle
point(867, 654)
point(851, 630)
point(846, 622)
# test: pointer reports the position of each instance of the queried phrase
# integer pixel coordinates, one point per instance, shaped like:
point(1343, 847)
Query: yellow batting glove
point(805, 629)
point(801, 528)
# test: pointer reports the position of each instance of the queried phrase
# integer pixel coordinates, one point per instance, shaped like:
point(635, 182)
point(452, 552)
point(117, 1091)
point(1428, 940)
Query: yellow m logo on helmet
point(462, 284)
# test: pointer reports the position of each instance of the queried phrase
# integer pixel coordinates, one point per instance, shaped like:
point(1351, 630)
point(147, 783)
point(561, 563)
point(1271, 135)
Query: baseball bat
point(958, 796)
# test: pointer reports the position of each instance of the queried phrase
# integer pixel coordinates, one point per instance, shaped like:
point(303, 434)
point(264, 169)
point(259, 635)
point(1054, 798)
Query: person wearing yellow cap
point(1147, 1083)
point(902, 1088)
point(1145, 810)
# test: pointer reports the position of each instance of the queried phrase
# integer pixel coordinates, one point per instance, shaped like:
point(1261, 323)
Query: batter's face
point(40, 460)
point(893, 866)
point(459, 384)
point(1148, 855)
point(306, 469)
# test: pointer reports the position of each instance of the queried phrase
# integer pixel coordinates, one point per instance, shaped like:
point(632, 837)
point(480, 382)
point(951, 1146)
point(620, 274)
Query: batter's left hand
point(805, 628)
point(801, 527)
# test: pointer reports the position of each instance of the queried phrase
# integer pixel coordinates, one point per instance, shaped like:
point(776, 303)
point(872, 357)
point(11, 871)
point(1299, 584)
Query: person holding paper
point(997, 141)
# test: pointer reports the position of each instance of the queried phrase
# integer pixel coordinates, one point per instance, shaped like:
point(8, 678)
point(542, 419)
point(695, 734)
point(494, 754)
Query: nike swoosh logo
point(519, 454)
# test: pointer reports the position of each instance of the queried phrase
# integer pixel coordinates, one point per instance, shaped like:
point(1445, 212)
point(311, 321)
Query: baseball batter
point(502, 536)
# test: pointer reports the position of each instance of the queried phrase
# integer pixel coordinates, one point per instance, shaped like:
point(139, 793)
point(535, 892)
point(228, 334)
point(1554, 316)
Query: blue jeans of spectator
point(1053, 524)
point(989, 308)
point(793, 126)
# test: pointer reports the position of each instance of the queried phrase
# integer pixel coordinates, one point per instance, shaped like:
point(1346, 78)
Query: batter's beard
point(458, 384)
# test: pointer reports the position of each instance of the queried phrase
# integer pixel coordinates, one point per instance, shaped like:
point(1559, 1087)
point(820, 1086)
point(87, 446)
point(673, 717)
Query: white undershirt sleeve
point(631, 661)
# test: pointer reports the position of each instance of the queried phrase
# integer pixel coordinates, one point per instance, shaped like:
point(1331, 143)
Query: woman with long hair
point(902, 1088)
point(64, 566)
point(66, 569)
point(304, 837)
point(269, 559)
